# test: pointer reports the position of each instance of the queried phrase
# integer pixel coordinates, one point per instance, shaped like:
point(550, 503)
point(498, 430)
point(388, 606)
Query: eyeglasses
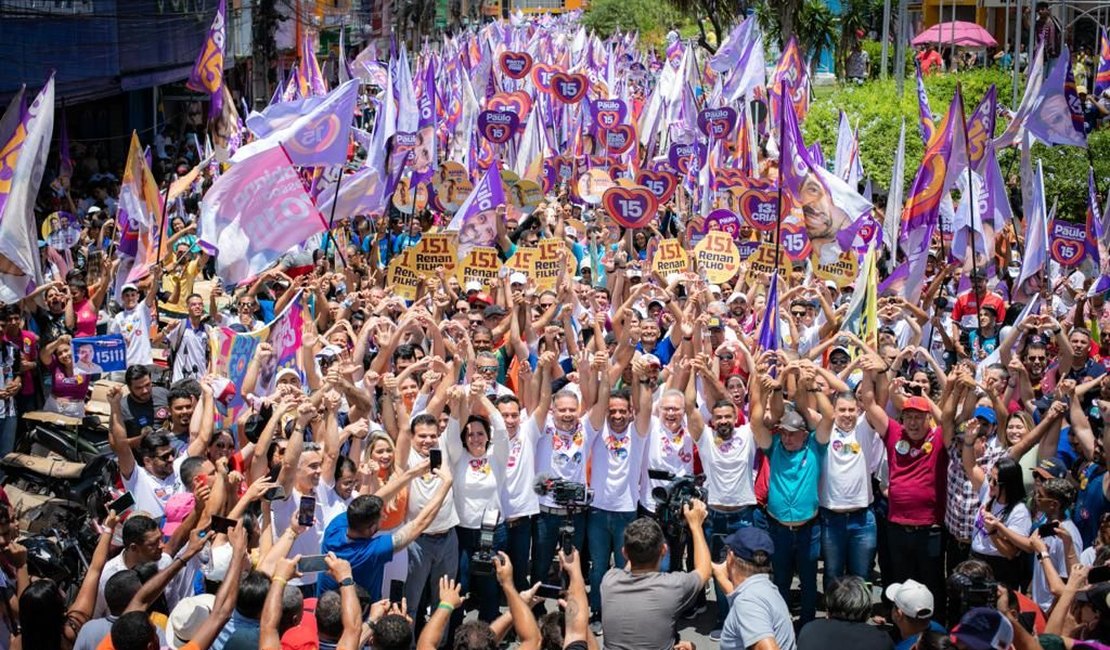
point(246, 305)
point(725, 357)
point(487, 370)
point(168, 456)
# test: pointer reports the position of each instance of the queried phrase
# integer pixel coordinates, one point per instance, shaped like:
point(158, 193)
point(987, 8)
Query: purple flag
point(1056, 116)
point(425, 156)
point(476, 219)
point(980, 126)
point(1094, 220)
point(743, 55)
point(1102, 76)
point(318, 136)
point(769, 327)
point(208, 71)
point(926, 123)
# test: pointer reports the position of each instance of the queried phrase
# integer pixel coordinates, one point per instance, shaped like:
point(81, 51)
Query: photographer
point(641, 604)
point(758, 616)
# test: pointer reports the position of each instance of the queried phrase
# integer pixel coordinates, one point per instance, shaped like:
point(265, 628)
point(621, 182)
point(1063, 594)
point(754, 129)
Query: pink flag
point(208, 71)
point(254, 213)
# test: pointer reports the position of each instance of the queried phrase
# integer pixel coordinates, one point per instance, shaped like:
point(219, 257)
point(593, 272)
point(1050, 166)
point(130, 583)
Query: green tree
point(721, 14)
point(815, 26)
point(651, 19)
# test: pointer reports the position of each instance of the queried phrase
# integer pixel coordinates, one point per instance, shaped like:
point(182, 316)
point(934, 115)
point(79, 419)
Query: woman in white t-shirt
point(1003, 524)
point(479, 467)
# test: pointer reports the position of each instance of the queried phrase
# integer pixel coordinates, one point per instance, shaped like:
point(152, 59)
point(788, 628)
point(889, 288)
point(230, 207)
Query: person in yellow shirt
point(178, 279)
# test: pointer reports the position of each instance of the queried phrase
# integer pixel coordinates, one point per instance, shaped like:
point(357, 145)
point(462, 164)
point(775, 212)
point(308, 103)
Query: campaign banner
point(401, 276)
point(481, 264)
point(1067, 242)
point(546, 266)
point(96, 355)
point(717, 257)
point(669, 257)
point(434, 251)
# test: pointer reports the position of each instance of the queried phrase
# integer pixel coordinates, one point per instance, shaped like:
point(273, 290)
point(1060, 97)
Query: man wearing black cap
point(758, 616)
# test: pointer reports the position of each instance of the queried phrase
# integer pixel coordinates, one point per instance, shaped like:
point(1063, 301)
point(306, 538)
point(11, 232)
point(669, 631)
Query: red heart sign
point(661, 183)
point(542, 74)
point(517, 102)
point(516, 64)
point(630, 207)
point(760, 209)
point(620, 138)
point(569, 88)
point(717, 123)
point(617, 170)
point(728, 178)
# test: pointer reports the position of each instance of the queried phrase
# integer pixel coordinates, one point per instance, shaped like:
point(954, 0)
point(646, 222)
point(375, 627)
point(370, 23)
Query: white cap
point(473, 285)
point(93, 209)
point(716, 289)
point(128, 287)
point(286, 372)
point(912, 598)
point(518, 278)
point(187, 617)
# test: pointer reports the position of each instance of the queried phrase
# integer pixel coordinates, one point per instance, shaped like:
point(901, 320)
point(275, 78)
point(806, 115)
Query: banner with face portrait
point(476, 220)
point(96, 355)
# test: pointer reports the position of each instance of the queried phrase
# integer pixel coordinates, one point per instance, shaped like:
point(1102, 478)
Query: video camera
point(565, 494)
point(671, 499)
point(481, 562)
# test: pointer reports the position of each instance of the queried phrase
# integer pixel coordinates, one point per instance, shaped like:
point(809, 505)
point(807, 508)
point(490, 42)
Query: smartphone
point(550, 591)
point(312, 563)
point(222, 524)
point(125, 502)
point(1098, 574)
point(396, 591)
point(435, 458)
point(274, 493)
point(306, 513)
point(1047, 530)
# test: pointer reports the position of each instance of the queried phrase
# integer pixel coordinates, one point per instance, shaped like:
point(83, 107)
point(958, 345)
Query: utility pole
point(886, 37)
point(900, 48)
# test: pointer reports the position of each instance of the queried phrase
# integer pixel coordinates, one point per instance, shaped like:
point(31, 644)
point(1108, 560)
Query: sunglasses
point(167, 457)
point(487, 369)
point(725, 357)
point(798, 314)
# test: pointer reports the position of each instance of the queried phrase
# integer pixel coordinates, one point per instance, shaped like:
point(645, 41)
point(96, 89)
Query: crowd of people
point(598, 463)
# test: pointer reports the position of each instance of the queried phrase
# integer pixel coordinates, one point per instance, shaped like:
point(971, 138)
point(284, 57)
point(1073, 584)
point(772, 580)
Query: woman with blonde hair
point(390, 483)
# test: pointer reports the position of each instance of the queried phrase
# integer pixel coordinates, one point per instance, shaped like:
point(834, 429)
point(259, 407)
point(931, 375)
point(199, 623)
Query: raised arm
point(413, 529)
point(117, 434)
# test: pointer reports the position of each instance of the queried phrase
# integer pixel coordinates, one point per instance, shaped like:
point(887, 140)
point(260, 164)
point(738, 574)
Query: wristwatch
point(347, 582)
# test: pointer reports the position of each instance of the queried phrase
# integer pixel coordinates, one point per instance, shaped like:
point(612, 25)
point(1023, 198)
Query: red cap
point(917, 404)
point(481, 297)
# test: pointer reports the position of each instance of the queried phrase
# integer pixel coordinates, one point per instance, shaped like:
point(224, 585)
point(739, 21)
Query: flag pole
point(331, 219)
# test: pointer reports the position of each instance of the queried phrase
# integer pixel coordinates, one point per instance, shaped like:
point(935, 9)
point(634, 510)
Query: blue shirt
point(368, 557)
point(792, 491)
point(1090, 505)
point(664, 349)
point(236, 622)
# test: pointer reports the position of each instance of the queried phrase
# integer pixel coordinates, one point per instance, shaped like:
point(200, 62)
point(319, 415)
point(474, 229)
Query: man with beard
point(154, 482)
point(727, 454)
point(823, 220)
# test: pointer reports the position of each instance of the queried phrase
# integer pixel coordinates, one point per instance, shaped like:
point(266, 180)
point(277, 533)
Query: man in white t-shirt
point(670, 448)
point(561, 455)
point(849, 533)
point(301, 468)
point(142, 543)
point(133, 323)
point(155, 481)
point(521, 503)
point(616, 453)
point(727, 454)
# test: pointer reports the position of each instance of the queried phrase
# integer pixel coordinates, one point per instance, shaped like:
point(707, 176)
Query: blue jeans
point(606, 537)
point(519, 548)
point(797, 549)
point(849, 541)
point(7, 434)
point(718, 526)
point(482, 589)
point(547, 540)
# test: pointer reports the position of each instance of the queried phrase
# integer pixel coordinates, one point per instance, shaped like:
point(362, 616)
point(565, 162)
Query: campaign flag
point(1102, 75)
point(65, 156)
point(208, 71)
point(22, 164)
point(13, 115)
point(792, 71)
point(311, 79)
point(1094, 221)
point(255, 212)
point(741, 56)
point(426, 158)
point(140, 211)
point(360, 193)
point(980, 126)
point(11, 147)
point(1050, 118)
point(96, 355)
point(893, 213)
point(769, 326)
point(1036, 235)
point(846, 162)
point(927, 124)
point(476, 218)
point(316, 137)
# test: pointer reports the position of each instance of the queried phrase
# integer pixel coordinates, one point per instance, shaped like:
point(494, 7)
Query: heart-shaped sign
point(569, 88)
point(661, 183)
point(725, 221)
point(759, 208)
point(608, 113)
point(631, 208)
point(542, 74)
point(617, 170)
point(619, 139)
point(728, 178)
point(717, 123)
point(516, 64)
point(686, 157)
point(498, 126)
point(795, 243)
point(517, 102)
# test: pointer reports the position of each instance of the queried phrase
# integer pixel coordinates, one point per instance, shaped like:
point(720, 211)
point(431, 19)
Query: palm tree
point(815, 26)
point(720, 13)
point(855, 16)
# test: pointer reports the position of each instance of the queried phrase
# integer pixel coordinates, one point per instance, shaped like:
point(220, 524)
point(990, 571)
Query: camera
point(481, 562)
point(565, 494)
point(670, 499)
point(967, 592)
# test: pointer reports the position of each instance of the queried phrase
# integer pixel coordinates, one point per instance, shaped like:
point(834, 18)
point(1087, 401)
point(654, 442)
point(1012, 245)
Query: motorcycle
point(49, 492)
point(74, 439)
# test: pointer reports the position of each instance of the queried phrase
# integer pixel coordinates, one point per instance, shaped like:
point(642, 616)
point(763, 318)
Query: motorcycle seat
point(52, 467)
point(52, 418)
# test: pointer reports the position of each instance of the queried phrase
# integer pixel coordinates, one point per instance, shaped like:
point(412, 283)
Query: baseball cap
point(128, 287)
point(518, 278)
point(187, 617)
point(652, 360)
point(473, 285)
point(911, 598)
point(747, 541)
point(916, 403)
point(736, 296)
point(287, 372)
point(493, 310)
point(715, 323)
point(792, 421)
point(1051, 468)
point(983, 628)
point(1096, 596)
point(177, 509)
point(481, 297)
point(986, 414)
point(841, 349)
